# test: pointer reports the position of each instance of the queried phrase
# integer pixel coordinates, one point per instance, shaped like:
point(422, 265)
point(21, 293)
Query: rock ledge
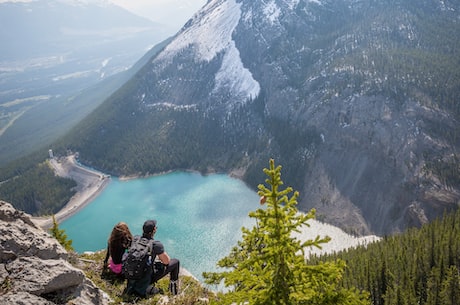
point(34, 267)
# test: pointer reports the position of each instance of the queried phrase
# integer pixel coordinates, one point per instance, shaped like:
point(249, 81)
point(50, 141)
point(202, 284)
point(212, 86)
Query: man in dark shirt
point(166, 265)
point(161, 264)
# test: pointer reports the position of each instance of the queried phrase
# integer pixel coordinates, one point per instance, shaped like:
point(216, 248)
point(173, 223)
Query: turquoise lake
point(199, 217)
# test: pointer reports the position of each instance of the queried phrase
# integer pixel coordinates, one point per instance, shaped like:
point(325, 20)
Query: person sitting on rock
point(161, 265)
point(119, 242)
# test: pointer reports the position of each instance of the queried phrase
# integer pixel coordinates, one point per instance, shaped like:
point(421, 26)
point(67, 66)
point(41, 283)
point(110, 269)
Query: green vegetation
point(147, 143)
point(269, 267)
point(193, 292)
point(60, 235)
point(420, 266)
point(447, 170)
point(35, 189)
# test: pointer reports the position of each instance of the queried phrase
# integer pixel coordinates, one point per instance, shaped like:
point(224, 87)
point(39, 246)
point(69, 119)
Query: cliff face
point(34, 268)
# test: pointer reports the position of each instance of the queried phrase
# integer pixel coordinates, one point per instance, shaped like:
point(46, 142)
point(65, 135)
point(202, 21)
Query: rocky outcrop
point(34, 267)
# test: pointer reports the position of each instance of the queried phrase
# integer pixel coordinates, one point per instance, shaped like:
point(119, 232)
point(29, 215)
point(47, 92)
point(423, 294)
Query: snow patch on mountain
point(210, 33)
point(315, 1)
point(272, 11)
point(172, 106)
point(339, 239)
point(233, 76)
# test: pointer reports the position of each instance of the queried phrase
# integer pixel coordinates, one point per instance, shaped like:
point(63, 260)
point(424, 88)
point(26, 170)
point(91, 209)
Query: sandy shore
point(90, 183)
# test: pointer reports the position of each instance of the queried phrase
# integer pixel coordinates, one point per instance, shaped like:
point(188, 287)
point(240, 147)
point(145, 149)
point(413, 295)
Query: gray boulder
point(34, 267)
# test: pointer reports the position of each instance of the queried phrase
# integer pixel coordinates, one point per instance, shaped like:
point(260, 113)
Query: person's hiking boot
point(174, 287)
point(151, 290)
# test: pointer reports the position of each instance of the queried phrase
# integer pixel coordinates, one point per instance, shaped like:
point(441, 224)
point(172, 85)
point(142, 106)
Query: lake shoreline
point(90, 183)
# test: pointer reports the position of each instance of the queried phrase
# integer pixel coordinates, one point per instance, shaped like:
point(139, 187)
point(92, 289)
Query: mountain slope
point(40, 125)
point(52, 51)
point(358, 100)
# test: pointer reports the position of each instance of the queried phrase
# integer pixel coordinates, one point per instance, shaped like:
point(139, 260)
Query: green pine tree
point(61, 236)
point(268, 266)
point(450, 289)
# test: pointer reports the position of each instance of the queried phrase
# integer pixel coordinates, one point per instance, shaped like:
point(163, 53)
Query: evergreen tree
point(268, 266)
point(419, 266)
point(60, 235)
point(450, 289)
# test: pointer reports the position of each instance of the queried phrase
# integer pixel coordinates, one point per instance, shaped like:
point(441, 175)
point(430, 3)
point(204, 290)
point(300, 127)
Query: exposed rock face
point(34, 267)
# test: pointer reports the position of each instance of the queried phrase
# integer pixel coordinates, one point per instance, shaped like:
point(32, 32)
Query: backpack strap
point(152, 253)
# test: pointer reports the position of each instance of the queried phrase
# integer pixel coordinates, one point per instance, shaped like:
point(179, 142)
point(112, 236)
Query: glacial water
point(199, 217)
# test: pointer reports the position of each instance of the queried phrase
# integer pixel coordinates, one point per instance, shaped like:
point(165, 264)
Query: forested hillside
point(31, 184)
point(420, 266)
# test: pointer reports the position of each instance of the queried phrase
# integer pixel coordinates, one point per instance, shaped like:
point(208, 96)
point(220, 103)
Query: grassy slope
point(191, 290)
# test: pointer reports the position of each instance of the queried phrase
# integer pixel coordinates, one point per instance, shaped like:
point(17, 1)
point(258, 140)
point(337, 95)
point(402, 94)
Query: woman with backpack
point(119, 242)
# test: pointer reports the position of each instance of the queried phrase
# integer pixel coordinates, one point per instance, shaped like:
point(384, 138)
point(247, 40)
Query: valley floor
point(89, 184)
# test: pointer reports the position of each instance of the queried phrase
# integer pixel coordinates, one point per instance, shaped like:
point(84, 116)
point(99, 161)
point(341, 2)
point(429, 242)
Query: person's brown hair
point(120, 237)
